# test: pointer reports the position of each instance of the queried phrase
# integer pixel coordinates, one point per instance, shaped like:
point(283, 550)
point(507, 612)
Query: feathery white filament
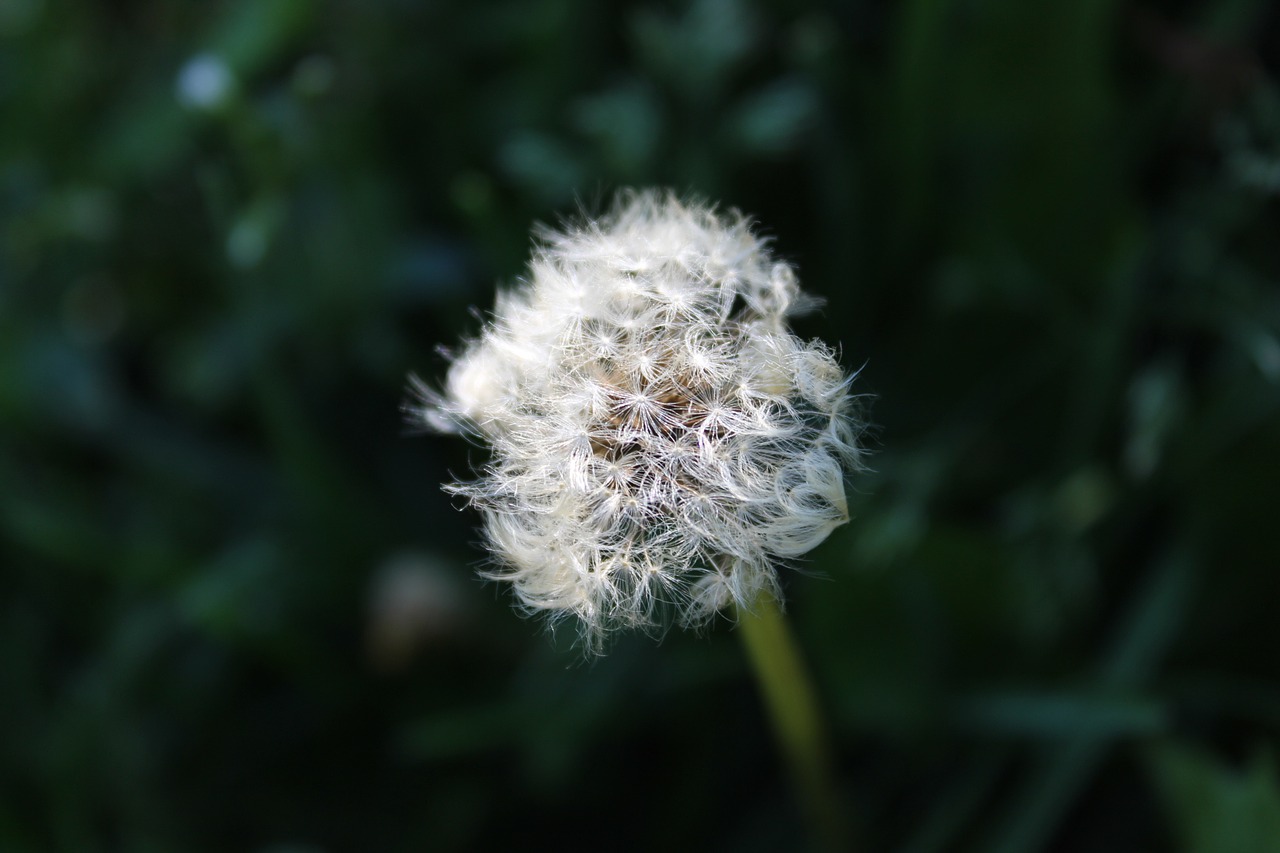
point(660, 439)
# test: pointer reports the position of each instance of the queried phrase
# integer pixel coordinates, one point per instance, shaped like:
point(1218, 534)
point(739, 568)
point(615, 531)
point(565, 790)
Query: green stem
point(792, 705)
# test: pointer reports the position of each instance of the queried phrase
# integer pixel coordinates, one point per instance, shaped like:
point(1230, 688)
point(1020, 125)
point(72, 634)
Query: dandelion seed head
point(660, 440)
point(205, 82)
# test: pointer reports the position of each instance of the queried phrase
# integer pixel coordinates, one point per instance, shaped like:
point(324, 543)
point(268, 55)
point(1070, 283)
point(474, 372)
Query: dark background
point(238, 614)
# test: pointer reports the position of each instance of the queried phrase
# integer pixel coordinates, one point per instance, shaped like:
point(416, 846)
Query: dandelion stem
point(788, 694)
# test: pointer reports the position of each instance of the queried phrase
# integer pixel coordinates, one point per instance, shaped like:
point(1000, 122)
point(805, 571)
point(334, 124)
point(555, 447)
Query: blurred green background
point(238, 614)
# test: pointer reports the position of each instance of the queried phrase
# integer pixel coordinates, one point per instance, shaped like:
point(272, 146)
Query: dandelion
point(660, 440)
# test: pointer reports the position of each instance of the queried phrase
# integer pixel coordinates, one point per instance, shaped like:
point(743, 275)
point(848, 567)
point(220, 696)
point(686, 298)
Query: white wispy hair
point(660, 439)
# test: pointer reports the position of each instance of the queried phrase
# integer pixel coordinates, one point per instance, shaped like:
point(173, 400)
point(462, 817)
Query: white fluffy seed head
point(660, 439)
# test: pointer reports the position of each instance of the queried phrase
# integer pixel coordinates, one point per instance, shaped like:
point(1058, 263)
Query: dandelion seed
point(660, 440)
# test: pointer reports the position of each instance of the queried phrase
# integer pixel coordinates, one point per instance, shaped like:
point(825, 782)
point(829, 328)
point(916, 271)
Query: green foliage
point(237, 613)
point(1215, 809)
